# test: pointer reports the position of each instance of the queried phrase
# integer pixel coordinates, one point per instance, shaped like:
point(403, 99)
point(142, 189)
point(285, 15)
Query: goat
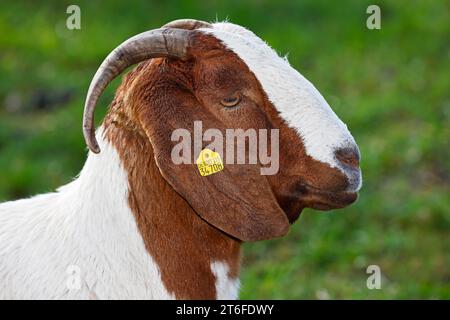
point(134, 225)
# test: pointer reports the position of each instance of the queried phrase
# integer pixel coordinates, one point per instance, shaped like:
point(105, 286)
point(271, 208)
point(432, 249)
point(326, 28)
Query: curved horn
point(188, 24)
point(165, 42)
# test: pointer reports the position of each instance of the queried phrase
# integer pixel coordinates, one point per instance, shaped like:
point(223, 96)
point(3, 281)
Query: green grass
point(391, 86)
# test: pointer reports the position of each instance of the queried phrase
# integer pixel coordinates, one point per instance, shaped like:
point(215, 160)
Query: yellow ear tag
point(209, 162)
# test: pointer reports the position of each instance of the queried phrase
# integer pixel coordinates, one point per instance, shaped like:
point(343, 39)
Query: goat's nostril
point(348, 156)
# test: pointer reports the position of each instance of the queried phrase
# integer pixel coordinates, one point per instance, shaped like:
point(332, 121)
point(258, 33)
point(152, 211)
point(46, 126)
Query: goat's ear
point(237, 200)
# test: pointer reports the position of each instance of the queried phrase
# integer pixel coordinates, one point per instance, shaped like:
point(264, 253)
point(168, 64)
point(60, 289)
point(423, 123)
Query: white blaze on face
point(298, 102)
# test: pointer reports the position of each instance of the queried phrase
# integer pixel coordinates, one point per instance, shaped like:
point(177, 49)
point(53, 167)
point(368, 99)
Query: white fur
point(227, 288)
point(86, 224)
point(296, 99)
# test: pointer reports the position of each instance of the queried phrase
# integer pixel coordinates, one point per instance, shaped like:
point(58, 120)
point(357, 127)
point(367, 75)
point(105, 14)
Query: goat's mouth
point(307, 196)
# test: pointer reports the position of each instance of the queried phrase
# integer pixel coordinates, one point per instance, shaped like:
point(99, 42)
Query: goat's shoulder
point(17, 215)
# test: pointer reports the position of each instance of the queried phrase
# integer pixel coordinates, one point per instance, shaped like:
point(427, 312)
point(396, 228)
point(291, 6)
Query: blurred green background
point(391, 87)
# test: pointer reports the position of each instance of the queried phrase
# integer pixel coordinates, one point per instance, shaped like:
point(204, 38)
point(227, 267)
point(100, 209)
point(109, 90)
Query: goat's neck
point(195, 259)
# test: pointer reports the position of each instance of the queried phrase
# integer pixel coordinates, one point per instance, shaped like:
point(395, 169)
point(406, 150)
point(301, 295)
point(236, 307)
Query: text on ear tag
point(209, 162)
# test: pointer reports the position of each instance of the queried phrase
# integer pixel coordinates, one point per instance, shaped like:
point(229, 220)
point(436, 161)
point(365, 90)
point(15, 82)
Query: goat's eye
point(230, 101)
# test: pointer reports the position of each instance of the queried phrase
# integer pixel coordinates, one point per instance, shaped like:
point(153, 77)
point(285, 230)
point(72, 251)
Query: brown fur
point(180, 242)
point(179, 227)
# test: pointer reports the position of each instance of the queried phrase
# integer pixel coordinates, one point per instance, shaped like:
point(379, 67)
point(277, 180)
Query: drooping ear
point(237, 200)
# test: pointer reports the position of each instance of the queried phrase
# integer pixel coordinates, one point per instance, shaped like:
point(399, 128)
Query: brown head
point(227, 78)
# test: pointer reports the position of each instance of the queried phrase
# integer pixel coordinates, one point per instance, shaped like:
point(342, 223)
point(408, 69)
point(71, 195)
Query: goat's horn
point(164, 42)
point(188, 24)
